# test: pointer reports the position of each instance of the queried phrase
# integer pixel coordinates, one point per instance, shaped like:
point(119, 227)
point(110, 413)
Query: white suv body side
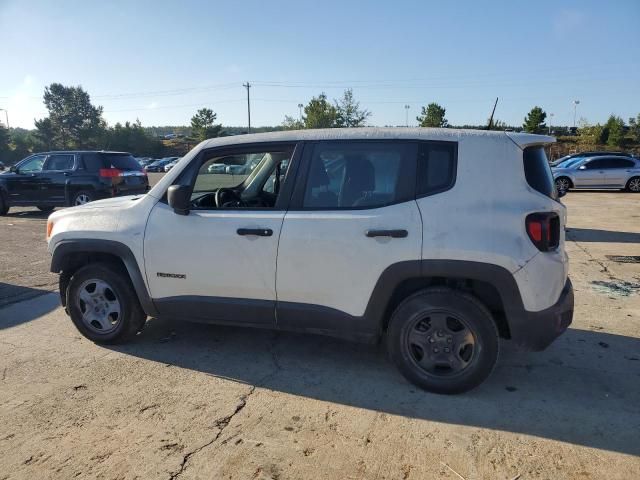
point(337, 270)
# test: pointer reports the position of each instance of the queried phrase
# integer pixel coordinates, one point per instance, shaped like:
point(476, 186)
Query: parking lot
point(201, 401)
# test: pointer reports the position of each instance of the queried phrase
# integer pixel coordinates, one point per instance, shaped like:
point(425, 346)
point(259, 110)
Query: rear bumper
point(537, 330)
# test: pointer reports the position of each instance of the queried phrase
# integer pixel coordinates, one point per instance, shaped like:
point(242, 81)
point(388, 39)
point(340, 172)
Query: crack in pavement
point(221, 423)
point(603, 265)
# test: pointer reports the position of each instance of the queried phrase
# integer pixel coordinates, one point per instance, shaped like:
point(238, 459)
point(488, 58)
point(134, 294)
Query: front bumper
point(537, 330)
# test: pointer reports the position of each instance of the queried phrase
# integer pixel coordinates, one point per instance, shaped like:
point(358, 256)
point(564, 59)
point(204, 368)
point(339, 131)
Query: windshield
point(569, 163)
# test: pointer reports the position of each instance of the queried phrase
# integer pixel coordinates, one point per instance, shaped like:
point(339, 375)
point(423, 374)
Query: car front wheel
point(103, 305)
point(443, 340)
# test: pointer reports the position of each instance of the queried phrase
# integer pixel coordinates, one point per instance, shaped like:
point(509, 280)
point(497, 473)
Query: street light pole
point(406, 114)
point(6, 114)
point(300, 111)
point(575, 106)
point(550, 121)
point(248, 86)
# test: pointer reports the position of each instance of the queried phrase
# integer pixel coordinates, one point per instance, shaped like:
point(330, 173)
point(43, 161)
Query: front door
point(24, 184)
point(591, 174)
point(218, 263)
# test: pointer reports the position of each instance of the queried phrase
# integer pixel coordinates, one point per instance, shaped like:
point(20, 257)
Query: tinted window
point(537, 171)
point(621, 163)
point(436, 168)
point(359, 175)
point(597, 164)
point(119, 161)
point(59, 162)
point(33, 164)
point(92, 162)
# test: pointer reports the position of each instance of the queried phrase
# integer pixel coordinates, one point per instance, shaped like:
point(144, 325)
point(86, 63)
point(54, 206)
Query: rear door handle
point(260, 232)
point(387, 233)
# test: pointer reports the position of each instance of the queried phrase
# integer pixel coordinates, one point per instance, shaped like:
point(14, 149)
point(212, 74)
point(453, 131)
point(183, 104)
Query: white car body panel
point(325, 257)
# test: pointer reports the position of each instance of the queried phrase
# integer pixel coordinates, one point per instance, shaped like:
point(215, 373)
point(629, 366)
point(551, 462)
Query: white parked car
point(445, 240)
point(608, 171)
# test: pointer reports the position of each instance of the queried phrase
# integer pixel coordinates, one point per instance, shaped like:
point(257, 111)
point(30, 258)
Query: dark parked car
point(158, 166)
point(57, 179)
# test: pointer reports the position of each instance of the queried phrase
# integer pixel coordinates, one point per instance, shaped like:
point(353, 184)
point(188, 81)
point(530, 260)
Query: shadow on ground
point(584, 390)
point(13, 311)
point(34, 214)
point(603, 236)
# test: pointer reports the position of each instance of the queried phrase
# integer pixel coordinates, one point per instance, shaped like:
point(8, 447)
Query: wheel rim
point(99, 306)
point(82, 199)
point(441, 344)
point(634, 185)
point(562, 184)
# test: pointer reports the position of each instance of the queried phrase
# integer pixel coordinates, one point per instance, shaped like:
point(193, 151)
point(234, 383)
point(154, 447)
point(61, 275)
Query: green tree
point(590, 135)
point(319, 113)
point(634, 128)
point(204, 126)
point(73, 122)
point(534, 121)
point(45, 133)
point(615, 130)
point(290, 123)
point(4, 140)
point(349, 113)
point(132, 137)
point(432, 116)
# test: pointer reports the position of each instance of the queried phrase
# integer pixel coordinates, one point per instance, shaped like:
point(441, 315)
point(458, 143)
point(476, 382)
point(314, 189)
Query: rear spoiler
point(524, 140)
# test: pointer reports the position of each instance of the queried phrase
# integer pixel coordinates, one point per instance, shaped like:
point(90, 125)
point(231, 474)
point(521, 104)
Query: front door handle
point(387, 233)
point(260, 232)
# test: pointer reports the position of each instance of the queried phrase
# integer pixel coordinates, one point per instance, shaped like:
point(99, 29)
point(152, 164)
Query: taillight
point(544, 230)
point(110, 172)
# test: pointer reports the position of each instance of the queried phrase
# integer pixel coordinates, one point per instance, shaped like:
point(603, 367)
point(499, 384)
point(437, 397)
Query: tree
point(349, 113)
point(534, 121)
point(590, 135)
point(432, 116)
point(319, 113)
point(73, 122)
point(203, 124)
point(132, 137)
point(4, 140)
point(290, 123)
point(634, 127)
point(615, 130)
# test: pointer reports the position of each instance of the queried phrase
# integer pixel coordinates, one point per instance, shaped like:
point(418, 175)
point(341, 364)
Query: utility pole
point(300, 111)
point(406, 115)
point(575, 106)
point(6, 114)
point(550, 121)
point(490, 125)
point(248, 86)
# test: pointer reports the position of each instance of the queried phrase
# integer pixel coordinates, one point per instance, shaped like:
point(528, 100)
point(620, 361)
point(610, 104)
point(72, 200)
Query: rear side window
point(92, 162)
point(538, 172)
point(59, 162)
point(121, 162)
point(359, 175)
point(436, 168)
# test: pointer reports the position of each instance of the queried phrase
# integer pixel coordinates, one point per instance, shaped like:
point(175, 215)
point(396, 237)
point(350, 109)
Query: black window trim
point(189, 175)
point(297, 200)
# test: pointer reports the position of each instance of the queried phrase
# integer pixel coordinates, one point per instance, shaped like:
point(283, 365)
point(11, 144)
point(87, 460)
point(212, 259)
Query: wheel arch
point(493, 285)
point(70, 255)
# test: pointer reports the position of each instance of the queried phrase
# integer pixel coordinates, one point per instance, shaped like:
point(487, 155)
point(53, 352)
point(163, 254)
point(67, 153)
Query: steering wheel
point(222, 192)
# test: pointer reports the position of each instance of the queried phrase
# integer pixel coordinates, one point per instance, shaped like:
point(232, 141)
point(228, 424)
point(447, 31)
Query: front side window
point(33, 164)
point(597, 164)
point(244, 180)
point(59, 162)
point(343, 176)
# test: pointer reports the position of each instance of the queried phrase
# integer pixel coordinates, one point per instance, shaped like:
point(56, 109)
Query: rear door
point(54, 177)
point(131, 178)
point(618, 171)
point(353, 215)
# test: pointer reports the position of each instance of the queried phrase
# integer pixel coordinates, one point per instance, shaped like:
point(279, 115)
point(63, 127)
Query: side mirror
point(13, 169)
point(179, 198)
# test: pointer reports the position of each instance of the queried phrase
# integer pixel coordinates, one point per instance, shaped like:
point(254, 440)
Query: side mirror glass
point(179, 198)
point(13, 169)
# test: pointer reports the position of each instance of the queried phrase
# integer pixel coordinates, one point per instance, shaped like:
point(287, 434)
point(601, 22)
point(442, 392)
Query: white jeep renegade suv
point(442, 240)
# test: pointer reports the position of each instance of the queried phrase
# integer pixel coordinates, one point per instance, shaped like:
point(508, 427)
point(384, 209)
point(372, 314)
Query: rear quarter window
point(121, 162)
point(538, 172)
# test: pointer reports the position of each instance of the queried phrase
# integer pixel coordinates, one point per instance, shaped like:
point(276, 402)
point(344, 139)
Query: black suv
point(57, 179)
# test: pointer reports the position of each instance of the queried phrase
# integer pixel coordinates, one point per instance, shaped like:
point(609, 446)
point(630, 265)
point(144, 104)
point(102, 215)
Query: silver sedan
point(598, 172)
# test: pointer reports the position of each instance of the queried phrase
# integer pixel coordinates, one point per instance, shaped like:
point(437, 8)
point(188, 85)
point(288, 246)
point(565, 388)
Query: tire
point(82, 197)
point(4, 205)
point(460, 333)
point(45, 208)
point(563, 184)
point(633, 185)
point(103, 305)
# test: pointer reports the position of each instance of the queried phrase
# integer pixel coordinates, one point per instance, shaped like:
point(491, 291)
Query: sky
point(160, 61)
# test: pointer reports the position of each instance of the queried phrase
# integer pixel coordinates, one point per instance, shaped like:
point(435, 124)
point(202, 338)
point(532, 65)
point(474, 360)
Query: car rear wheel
point(443, 340)
point(45, 208)
point(563, 184)
point(82, 197)
point(633, 185)
point(103, 305)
